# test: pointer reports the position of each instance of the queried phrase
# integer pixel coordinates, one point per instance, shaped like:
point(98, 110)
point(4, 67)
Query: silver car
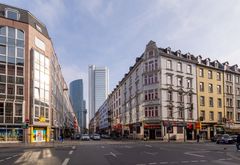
point(96, 137)
point(85, 137)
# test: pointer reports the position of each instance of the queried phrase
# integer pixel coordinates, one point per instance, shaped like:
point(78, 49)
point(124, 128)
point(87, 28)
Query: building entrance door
point(152, 134)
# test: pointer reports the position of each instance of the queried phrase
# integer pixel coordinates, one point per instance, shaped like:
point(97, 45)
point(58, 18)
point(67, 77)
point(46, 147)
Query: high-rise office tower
point(98, 79)
point(76, 95)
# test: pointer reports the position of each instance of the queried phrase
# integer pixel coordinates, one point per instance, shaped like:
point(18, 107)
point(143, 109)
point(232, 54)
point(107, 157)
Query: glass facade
point(11, 83)
point(41, 87)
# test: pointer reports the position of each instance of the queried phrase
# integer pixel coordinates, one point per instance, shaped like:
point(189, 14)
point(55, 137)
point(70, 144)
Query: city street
point(108, 152)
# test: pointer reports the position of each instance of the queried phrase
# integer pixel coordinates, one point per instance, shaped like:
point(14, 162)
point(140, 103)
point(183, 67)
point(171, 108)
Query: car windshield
point(226, 136)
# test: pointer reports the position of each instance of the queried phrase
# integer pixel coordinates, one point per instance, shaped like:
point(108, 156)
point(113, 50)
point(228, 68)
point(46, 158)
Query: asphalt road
point(107, 152)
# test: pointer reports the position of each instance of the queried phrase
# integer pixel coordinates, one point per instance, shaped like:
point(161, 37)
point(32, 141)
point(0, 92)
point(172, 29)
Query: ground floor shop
point(208, 130)
point(152, 131)
point(174, 130)
point(40, 134)
point(11, 133)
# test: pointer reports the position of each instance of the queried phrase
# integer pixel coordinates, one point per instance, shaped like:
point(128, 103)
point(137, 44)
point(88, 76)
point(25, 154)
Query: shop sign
point(42, 119)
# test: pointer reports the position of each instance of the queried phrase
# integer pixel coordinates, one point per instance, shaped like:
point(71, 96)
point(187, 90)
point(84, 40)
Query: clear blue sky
point(113, 33)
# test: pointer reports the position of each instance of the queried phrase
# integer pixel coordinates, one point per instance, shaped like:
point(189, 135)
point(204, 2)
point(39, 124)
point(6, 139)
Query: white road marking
point(202, 161)
point(152, 163)
point(173, 162)
point(14, 155)
point(8, 158)
point(151, 153)
point(140, 164)
point(111, 153)
point(47, 153)
point(148, 145)
point(33, 156)
point(73, 147)
point(194, 161)
point(65, 162)
point(70, 152)
point(163, 162)
point(192, 154)
point(184, 161)
point(102, 147)
point(1, 160)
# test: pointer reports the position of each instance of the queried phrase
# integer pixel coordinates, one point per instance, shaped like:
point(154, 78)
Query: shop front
point(40, 134)
point(152, 131)
point(11, 133)
point(207, 130)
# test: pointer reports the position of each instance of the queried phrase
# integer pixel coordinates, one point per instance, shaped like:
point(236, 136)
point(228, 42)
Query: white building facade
point(98, 79)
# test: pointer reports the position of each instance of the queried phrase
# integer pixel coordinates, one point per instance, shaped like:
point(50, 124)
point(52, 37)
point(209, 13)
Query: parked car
point(215, 137)
point(78, 136)
point(224, 139)
point(105, 136)
point(234, 137)
point(96, 137)
point(85, 137)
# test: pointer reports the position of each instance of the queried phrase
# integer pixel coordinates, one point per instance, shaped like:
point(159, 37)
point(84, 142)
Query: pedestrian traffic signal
point(25, 125)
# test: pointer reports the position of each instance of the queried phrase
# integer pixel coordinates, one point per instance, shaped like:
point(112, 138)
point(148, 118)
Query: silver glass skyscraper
point(98, 79)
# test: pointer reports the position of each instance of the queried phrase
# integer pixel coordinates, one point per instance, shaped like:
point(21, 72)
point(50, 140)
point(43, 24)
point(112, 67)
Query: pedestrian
point(198, 137)
point(61, 137)
point(238, 142)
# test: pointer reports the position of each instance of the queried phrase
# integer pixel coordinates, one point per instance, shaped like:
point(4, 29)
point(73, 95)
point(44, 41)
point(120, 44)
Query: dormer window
point(150, 54)
point(216, 64)
point(168, 50)
point(38, 28)
point(207, 62)
point(12, 14)
point(178, 53)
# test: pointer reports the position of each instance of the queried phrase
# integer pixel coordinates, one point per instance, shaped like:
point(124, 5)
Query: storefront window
point(39, 135)
point(11, 134)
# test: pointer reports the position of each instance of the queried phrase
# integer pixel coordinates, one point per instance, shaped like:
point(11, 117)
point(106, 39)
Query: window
point(169, 79)
point(18, 109)
point(12, 14)
point(169, 95)
point(170, 112)
point(11, 32)
point(238, 104)
point(238, 91)
point(219, 116)
point(229, 102)
point(189, 98)
point(211, 116)
point(219, 89)
point(179, 130)
point(19, 90)
point(190, 114)
point(202, 101)
point(10, 89)
point(218, 76)
point(2, 30)
point(179, 81)
point(203, 115)
point(20, 71)
point(211, 102)
point(229, 77)
point(2, 88)
point(237, 80)
point(219, 103)
point(180, 97)
point(169, 64)
point(1, 108)
point(210, 88)
point(36, 111)
point(3, 49)
point(180, 112)
point(201, 86)
point(210, 74)
point(238, 116)
point(201, 74)
point(3, 68)
point(179, 66)
point(189, 83)
point(189, 69)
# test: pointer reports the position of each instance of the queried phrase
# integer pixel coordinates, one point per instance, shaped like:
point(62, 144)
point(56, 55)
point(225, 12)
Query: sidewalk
point(37, 145)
